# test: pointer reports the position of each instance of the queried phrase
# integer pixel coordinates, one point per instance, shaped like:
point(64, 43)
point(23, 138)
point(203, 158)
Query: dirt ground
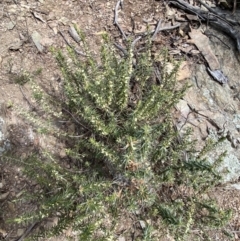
point(21, 22)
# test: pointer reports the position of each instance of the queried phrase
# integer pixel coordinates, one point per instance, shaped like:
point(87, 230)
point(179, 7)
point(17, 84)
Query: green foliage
point(21, 79)
point(127, 157)
point(25, 76)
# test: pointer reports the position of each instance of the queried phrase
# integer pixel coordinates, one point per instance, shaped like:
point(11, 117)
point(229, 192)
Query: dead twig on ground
point(135, 41)
point(28, 231)
point(213, 35)
point(157, 74)
point(120, 2)
point(121, 49)
point(76, 120)
point(133, 24)
point(216, 20)
point(29, 103)
point(211, 121)
point(37, 16)
point(208, 8)
point(181, 4)
point(72, 31)
point(168, 27)
point(76, 50)
point(157, 29)
point(65, 39)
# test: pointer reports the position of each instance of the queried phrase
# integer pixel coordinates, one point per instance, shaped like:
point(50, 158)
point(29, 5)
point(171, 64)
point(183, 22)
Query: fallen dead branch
point(67, 42)
point(119, 3)
point(214, 19)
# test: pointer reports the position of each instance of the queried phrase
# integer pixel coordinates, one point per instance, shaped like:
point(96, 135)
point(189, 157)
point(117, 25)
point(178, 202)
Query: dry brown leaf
point(3, 232)
point(4, 196)
point(202, 43)
point(184, 71)
point(169, 13)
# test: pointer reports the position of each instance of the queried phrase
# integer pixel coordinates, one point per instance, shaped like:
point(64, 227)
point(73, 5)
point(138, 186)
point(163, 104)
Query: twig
point(72, 31)
point(27, 232)
point(33, 107)
point(65, 39)
point(157, 74)
point(221, 16)
point(133, 24)
point(157, 29)
point(213, 35)
point(120, 2)
point(181, 4)
point(169, 27)
point(215, 20)
point(116, 11)
point(211, 121)
point(208, 8)
point(121, 48)
point(135, 41)
point(75, 118)
point(161, 29)
point(77, 51)
point(9, 233)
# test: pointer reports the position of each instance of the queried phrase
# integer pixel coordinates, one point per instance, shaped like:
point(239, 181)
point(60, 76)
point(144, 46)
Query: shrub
point(128, 160)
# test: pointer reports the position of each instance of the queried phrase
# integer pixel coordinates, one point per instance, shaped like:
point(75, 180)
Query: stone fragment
point(202, 43)
point(142, 224)
point(36, 37)
point(183, 107)
point(121, 238)
point(10, 25)
point(20, 232)
point(3, 233)
point(4, 196)
point(16, 45)
point(64, 20)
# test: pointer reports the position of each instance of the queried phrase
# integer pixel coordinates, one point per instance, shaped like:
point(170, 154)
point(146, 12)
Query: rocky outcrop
point(213, 110)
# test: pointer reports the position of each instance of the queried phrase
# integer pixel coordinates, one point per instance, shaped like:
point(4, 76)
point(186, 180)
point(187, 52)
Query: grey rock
point(10, 25)
point(36, 37)
point(217, 107)
point(16, 45)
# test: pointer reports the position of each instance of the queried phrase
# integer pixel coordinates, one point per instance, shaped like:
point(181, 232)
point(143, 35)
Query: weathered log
point(216, 20)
